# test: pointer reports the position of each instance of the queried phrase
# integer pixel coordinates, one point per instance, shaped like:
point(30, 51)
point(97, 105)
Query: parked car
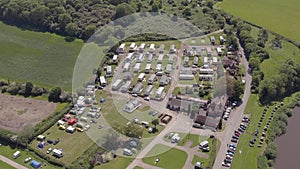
point(234, 140)
point(56, 141)
point(50, 141)
point(27, 159)
point(49, 150)
point(225, 164)
point(100, 126)
point(235, 137)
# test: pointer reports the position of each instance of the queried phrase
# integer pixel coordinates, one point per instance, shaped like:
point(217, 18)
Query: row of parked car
point(229, 155)
point(235, 137)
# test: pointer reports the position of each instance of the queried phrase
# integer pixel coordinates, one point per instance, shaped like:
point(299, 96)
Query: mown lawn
point(5, 165)
point(42, 58)
point(67, 143)
point(196, 139)
point(167, 157)
point(277, 15)
point(271, 66)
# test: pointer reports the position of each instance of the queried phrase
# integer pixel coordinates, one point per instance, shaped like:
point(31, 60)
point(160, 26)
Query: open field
point(42, 58)
point(277, 15)
point(5, 165)
point(7, 151)
point(278, 56)
point(166, 159)
point(17, 112)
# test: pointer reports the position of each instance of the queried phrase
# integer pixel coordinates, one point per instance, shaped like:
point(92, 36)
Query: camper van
point(16, 154)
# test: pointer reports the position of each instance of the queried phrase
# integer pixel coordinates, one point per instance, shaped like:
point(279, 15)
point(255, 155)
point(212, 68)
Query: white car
point(27, 159)
point(49, 150)
point(134, 95)
point(225, 164)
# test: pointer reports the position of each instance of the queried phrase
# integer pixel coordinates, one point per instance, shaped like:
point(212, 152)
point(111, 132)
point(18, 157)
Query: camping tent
point(102, 100)
point(41, 145)
point(35, 164)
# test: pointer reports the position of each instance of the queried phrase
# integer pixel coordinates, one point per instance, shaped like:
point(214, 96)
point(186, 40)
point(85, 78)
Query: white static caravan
point(142, 47)
point(148, 90)
point(126, 67)
point(138, 88)
point(158, 67)
point(121, 48)
point(129, 57)
point(115, 59)
point(212, 39)
point(126, 86)
point(221, 39)
point(214, 61)
point(172, 48)
point(186, 61)
point(109, 72)
point(169, 68)
point(117, 84)
point(219, 51)
point(205, 60)
point(160, 58)
point(152, 48)
point(132, 47)
point(151, 79)
point(103, 81)
point(159, 92)
point(208, 51)
point(140, 58)
point(196, 60)
point(162, 48)
point(150, 58)
point(141, 77)
point(148, 68)
point(206, 71)
point(186, 77)
point(137, 67)
point(171, 59)
point(16, 154)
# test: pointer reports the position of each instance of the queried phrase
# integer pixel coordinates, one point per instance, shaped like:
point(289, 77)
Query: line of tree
point(24, 89)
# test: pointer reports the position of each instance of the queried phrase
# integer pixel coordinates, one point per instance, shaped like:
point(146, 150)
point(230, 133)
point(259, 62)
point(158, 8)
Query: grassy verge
point(5, 165)
point(166, 158)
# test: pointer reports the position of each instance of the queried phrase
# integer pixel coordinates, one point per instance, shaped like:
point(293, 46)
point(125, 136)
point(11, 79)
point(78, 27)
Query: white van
point(16, 154)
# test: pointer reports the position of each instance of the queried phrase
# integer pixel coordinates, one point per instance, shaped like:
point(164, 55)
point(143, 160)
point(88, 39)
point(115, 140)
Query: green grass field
point(279, 16)
point(7, 151)
point(42, 58)
point(67, 142)
point(166, 159)
point(5, 165)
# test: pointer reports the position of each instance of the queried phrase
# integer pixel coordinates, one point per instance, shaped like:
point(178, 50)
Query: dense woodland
point(81, 18)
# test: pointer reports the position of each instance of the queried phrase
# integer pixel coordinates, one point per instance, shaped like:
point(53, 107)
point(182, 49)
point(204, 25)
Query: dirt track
point(17, 112)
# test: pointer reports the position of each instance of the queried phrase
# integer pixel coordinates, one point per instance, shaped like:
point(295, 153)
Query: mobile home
point(148, 90)
point(126, 67)
point(117, 84)
point(142, 47)
point(141, 77)
point(126, 86)
point(169, 68)
point(151, 79)
point(132, 47)
point(158, 67)
point(121, 48)
point(171, 59)
point(172, 48)
point(115, 59)
point(137, 67)
point(160, 58)
point(219, 51)
point(162, 48)
point(103, 81)
point(148, 68)
point(152, 48)
point(212, 40)
point(159, 92)
point(109, 72)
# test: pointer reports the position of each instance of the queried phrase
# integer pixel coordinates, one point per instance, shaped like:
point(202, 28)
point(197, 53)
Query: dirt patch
point(17, 112)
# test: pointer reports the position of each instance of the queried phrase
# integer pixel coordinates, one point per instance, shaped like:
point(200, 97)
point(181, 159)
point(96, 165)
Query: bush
point(271, 151)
